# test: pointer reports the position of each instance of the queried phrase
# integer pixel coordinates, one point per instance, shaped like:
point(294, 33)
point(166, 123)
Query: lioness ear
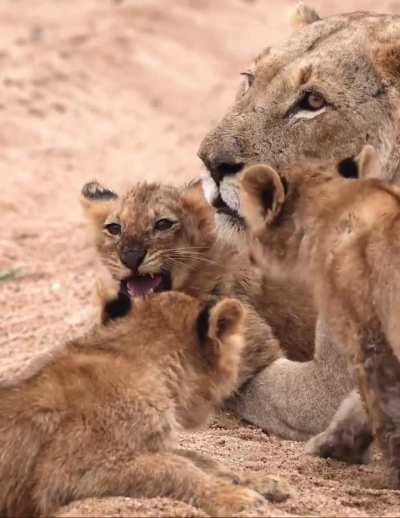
point(369, 165)
point(97, 202)
point(303, 15)
point(262, 195)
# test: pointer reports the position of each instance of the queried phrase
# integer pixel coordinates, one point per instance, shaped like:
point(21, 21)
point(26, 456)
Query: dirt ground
point(118, 91)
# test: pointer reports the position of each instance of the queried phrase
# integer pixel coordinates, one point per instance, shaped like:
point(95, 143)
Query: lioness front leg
point(271, 487)
point(348, 437)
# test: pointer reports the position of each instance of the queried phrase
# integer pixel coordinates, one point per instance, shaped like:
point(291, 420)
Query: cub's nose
point(132, 257)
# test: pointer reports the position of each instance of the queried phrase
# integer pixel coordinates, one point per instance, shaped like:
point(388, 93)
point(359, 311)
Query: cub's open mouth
point(142, 285)
point(223, 208)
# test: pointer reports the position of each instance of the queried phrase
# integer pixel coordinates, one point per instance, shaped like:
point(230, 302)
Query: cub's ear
point(200, 215)
point(225, 319)
point(364, 165)
point(202, 188)
point(262, 196)
point(303, 15)
point(369, 165)
point(205, 187)
point(218, 321)
point(97, 202)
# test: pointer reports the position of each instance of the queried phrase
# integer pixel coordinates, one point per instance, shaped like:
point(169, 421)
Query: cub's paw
point(233, 500)
point(270, 487)
point(341, 444)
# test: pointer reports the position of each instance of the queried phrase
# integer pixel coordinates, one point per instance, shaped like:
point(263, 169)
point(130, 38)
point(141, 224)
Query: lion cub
point(158, 237)
point(343, 237)
point(99, 418)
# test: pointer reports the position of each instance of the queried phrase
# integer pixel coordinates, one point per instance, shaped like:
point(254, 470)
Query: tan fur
point(353, 61)
point(201, 265)
point(99, 417)
point(343, 237)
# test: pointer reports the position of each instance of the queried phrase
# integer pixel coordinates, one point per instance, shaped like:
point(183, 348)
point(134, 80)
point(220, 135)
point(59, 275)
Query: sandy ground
point(121, 90)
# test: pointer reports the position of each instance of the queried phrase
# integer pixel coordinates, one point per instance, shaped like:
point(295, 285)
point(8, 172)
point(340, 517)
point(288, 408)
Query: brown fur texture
point(99, 417)
point(331, 88)
point(190, 258)
point(342, 237)
point(350, 65)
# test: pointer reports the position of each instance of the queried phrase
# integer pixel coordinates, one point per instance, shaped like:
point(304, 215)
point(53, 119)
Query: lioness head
point(330, 89)
point(287, 211)
point(150, 238)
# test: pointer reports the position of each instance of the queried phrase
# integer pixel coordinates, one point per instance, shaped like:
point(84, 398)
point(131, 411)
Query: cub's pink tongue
point(143, 285)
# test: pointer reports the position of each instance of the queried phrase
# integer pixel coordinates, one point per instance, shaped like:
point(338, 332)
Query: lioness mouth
point(223, 208)
point(143, 285)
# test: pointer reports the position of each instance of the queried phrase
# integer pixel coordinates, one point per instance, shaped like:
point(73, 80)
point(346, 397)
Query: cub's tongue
point(142, 285)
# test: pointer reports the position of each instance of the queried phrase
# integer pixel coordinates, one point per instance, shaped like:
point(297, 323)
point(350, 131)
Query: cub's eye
point(113, 228)
point(163, 224)
point(312, 101)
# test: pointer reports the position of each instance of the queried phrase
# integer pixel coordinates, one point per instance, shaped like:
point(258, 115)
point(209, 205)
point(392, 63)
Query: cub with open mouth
point(150, 240)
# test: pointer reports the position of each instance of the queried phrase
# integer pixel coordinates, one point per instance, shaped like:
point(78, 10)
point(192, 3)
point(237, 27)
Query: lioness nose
point(220, 164)
point(132, 257)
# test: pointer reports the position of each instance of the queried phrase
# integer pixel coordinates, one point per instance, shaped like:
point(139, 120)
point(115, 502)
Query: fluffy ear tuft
point(262, 195)
point(303, 15)
point(225, 319)
point(97, 202)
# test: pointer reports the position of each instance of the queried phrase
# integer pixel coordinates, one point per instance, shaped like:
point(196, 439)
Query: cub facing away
point(342, 237)
point(159, 237)
point(99, 417)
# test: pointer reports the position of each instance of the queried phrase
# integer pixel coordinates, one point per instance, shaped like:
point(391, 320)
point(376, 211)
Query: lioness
point(331, 88)
point(99, 417)
point(342, 238)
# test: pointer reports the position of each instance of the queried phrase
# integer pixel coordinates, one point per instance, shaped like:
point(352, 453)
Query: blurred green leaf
point(12, 273)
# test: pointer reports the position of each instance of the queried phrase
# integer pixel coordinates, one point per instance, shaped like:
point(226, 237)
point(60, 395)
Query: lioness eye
point(163, 224)
point(312, 101)
point(113, 228)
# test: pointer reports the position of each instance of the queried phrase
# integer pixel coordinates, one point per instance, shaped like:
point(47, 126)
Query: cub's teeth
point(151, 291)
